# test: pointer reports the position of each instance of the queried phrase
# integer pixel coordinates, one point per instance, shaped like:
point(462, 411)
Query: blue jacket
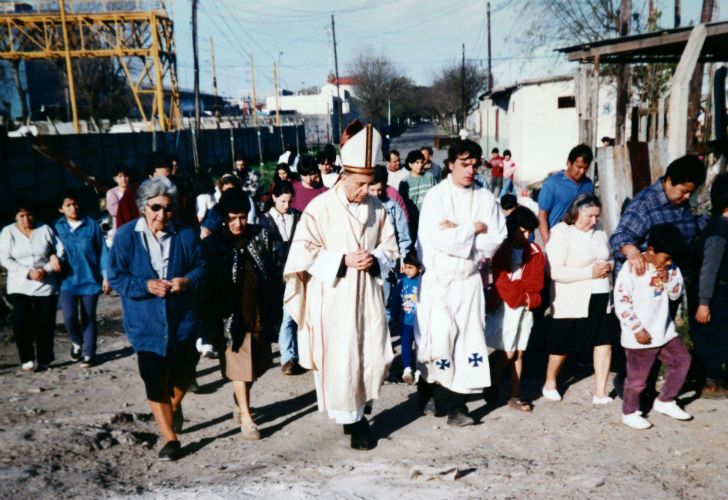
point(154, 324)
point(401, 228)
point(85, 256)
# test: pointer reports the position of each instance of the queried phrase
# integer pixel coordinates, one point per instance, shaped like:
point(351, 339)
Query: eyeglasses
point(156, 207)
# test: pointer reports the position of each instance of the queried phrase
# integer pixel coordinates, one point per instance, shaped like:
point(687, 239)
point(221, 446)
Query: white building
point(538, 122)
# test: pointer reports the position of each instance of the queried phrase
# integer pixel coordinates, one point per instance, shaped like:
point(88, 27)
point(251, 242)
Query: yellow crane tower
point(140, 37)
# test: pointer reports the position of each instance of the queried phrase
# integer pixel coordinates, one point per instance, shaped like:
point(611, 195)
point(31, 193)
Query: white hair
point(156, 186)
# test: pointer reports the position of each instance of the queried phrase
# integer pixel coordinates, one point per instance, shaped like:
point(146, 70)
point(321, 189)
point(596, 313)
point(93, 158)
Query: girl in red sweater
point(518, 271)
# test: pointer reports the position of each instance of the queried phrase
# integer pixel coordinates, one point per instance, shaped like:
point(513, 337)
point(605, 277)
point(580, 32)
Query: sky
point(419, 36)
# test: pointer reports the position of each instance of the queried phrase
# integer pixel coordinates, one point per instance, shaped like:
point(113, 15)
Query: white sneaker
point(671, 409)
point(551, 394)
point(602, 401)
point(636, 421)
point(28, 366)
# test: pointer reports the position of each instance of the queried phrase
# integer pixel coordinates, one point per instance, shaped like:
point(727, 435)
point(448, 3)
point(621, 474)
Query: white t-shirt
point(396, 177)
point(203, 203)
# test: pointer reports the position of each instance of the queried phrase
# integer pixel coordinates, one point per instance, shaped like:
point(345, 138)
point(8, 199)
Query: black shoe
point(459, 419)
point(193, 387)
point(360, 435)
point(178, 419)
point(171, 451)
point(429, 408)
point(88, 362)
point(75, 352)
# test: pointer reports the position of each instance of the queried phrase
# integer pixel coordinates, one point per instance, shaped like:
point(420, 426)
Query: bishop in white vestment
point(343, 247)
point(460, 226)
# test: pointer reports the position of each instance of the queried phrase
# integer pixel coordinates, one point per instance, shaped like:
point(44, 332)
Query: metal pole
point(69, 66)
point(490, 71)
point(336, 71)
point(195, 56)
point(278, 96)
point(260, 149)
point(232, 146)
point(255, 99)
point(214, 84)
point(462, 88)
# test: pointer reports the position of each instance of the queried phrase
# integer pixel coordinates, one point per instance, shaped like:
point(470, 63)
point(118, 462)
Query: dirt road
point(88, 433)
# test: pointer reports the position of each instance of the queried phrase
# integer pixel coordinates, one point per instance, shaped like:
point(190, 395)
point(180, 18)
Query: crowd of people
point(341, 254)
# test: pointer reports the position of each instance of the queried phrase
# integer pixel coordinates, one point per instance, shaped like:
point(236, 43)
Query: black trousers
point(446, 401)
point(34, 324)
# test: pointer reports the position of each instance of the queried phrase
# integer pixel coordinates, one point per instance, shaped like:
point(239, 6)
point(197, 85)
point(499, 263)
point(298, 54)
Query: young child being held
point(642, 304)
point(405, 310)
point(518, 271)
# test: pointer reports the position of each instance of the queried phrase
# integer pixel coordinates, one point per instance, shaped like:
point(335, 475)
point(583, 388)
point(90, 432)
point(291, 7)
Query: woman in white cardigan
point(579, 261)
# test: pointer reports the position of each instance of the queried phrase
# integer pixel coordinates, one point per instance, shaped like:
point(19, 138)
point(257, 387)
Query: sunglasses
point(157, 207)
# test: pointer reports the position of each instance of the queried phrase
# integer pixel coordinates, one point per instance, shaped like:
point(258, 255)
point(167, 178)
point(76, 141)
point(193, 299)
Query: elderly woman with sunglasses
point(580, 265)
point(157, 266)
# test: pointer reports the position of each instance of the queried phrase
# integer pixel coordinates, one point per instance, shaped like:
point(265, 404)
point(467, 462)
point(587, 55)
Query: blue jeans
point(407, 338)
point(84, 331)
point(287, 339)
point(508, 187)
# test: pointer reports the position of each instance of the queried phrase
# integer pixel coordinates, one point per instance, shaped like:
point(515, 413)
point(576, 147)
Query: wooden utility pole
point(490, 71)
point(252, 83)
point(196, 70)
point(336, 74)
point(696, 83)
point(214, 84)
point(623, 75)
point(69, 66)
point(677, 13)
point(278, 94)
point(462, 89)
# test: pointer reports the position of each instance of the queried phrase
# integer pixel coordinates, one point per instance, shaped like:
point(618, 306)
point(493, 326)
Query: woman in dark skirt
point(242, 303)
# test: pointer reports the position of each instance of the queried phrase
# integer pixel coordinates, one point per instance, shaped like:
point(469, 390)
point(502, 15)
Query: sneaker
point(671, 409)
point(460, 419)
point(28, 366)
point(87, 362)
point(178, 419)
point(407, 376)
point(75, 352)
point(170, 451)
point(636, 421)
point(208, 352)
point(602, 401)
point(551, 394)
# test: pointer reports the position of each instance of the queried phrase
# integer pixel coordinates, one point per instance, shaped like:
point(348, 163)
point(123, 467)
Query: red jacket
point(514, 292)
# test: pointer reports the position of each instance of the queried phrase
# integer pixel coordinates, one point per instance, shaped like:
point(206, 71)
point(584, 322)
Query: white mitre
point(360, 147)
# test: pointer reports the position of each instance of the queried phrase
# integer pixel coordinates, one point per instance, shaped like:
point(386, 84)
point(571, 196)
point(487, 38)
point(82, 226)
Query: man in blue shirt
point(561, 188)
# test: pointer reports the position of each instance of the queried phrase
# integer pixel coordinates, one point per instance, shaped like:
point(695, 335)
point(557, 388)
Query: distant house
point(537, 120)
point(320, 111)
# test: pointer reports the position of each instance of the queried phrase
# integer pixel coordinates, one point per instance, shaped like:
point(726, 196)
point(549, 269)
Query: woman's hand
point(37, 274)
point(601, 270)
point(160, 288)
point(702, 315)
point(178, 285)
point(55, 263)
point(106, 287)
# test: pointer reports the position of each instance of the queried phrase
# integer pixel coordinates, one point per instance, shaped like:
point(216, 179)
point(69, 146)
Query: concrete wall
point(25, 174)
point(535, 129)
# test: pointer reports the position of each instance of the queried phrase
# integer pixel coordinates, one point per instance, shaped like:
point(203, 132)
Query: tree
point(569, 22)
point(379, 84)
point(452, 96)
point(102, 89)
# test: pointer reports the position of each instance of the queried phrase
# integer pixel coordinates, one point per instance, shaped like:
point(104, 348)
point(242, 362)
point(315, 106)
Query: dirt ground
point(70, 432)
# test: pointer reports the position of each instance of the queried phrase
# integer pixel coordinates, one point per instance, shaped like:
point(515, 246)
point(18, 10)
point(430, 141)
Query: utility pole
point(196, 71)
point(623, 76)
point(696, 82)
point(214, 84)
point(462, 88)
point(252, 82)
point(278, 96)
point(490, 71)
point(677, 13)
point(336, 73)
point(69, 66)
